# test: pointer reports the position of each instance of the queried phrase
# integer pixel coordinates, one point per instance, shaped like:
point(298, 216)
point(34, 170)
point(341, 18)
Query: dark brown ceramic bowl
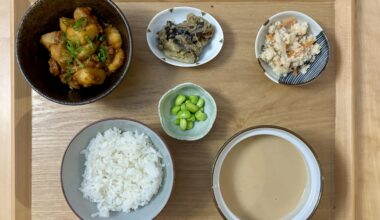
point(32, 57)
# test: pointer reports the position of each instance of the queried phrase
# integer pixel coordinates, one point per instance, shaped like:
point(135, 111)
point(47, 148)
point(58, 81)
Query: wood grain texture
point(368, 111)
point(344, 151)
point(6, 207)
point(21, 128)
point(245, 97)
point(355, 155)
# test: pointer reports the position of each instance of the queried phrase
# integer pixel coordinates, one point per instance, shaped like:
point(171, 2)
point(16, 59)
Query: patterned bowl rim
point(315, 25)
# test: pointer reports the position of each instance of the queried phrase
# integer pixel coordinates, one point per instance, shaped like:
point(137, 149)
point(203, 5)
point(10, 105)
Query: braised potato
point(117, 61)
point(50, 39)
point(84, 52)
point(84, 12)
point(113, 37)
point(64, 23)
point(90, 31)
point(60, 54)
point(89, 76)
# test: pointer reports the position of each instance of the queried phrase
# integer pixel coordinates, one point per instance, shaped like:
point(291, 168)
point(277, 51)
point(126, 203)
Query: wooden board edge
point(344, 152)
point(5, 114)
point(21, 127)
point(344, 155)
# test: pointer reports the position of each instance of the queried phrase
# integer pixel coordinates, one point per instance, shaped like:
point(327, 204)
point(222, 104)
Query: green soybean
point(183, 106)
point(180, 99)
point(175, 110)
point(200, 116)
point(188, 110)
point(200, 102)
point(176, 122)
point(183, 124)
point(193, 99)
point(191, 107)
point(192, 118)
point(184, 114)
point(190, 125)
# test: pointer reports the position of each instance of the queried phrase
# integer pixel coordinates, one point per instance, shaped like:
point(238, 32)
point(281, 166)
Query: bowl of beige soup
point(266, 172)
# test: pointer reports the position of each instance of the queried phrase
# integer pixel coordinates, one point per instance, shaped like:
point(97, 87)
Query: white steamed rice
point(123, 171)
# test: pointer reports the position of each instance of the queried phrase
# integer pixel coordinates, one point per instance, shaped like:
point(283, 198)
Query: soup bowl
point(312, 192)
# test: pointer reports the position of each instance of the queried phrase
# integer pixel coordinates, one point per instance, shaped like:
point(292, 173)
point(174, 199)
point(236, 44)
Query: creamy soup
point(263, 177)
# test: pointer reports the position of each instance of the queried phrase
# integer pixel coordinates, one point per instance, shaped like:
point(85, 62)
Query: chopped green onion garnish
point(89, 42)
point(68, 75)
point(102, 55)
point(71, 48)
point(80, 23)
point(65, 20)
point(79, 63)
point(101, 38)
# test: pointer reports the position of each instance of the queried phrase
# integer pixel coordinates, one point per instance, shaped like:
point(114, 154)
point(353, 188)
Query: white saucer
point(178, 15)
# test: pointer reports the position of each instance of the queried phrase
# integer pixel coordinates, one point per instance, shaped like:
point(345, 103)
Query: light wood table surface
point(6, 207)
point(366, 164)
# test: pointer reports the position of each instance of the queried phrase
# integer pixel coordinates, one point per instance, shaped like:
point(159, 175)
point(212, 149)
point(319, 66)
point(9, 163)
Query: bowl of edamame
point(187, 112)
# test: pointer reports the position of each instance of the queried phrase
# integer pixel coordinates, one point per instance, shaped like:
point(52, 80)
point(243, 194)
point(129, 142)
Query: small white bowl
point(178, 15)
point(316, 67)
point(313, 191)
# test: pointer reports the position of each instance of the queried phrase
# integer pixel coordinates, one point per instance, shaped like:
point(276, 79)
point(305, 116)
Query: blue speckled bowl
point(201, 128)
point(316, 67)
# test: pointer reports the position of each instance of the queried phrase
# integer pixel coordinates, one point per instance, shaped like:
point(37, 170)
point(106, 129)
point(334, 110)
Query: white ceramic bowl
point(73, 166)
point(316, 67)
point(313, 191)
point(178, 15)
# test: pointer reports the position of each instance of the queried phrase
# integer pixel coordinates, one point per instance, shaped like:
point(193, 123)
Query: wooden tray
point(321, 112)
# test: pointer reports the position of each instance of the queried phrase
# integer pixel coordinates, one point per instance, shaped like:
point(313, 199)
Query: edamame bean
point(200, 116)
point(193, 99)
point(175, 110)
point(180, 99)
point(200, 102)
point(190, 125)
point(188, 110)
point(191, 107)
point(183, 106)
point(184, 114)
point(192, 118)
point(183, 124)
point(176, 122)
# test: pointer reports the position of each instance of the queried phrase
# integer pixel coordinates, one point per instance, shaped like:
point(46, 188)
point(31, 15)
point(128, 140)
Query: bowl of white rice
point(117, 169)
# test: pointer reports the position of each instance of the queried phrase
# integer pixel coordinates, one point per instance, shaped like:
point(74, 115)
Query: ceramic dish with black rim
point(32, 57)
point(178, 15)
point(316, 67)
point(72, 168)
point(310, 194)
